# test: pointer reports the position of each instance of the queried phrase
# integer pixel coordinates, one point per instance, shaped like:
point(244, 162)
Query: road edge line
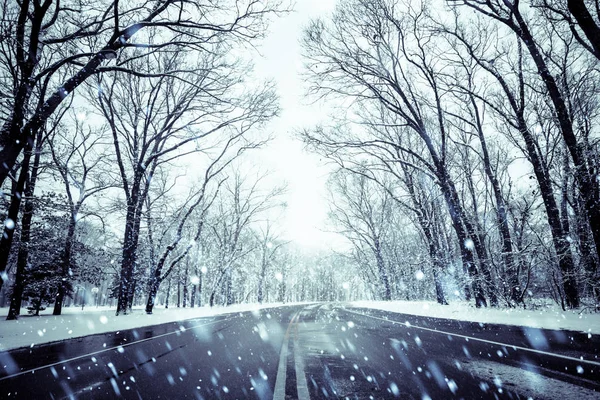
point(33, 370)
point(581, 360)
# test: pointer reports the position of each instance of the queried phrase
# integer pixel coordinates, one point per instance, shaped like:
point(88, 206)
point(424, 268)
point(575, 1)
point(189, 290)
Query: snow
point(529, 382)
point(547, 317)
point(32, 331)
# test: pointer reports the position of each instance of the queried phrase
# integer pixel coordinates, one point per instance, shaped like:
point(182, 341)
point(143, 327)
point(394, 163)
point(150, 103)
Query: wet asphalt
point(316, 351)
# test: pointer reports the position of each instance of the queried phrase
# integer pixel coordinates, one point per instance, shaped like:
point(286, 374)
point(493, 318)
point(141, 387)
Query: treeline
point(124, 128)
point(466, 135)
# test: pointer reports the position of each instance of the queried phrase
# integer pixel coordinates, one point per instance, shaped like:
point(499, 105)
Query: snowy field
point(546, 317)
point(31, 331)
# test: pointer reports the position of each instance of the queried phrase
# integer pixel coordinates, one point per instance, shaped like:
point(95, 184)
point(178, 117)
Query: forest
point(462, 143)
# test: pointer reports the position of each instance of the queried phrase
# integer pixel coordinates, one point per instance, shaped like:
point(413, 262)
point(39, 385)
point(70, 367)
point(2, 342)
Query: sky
point(304, 221)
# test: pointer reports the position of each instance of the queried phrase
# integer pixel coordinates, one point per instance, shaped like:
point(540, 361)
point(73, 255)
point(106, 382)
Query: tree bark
point(585, 20)
point(129, 254)
point(185, 285)
point(66, 264)
point(23, 254)
point(588, 184)
point(512, 278)
point(17, 192)
point(382, 271)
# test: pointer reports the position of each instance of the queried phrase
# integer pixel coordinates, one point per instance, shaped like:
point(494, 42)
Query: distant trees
point(160, 89)
point(445, 99)
point(38, 276)
point(156, 121)
point(365, 215)
point(80, 158)
point(269, 247)
point(242, 203)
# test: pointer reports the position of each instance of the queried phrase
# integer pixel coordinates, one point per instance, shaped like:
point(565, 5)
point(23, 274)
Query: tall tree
point(381, 70)
point(510, 15)
point(155, 122)
point(79, 158)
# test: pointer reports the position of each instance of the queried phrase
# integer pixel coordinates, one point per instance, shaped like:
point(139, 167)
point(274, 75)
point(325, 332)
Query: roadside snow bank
point(547, 317)
point(31, 331)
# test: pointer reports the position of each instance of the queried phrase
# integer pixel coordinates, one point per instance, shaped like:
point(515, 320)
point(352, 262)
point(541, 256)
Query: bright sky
point(304, 222)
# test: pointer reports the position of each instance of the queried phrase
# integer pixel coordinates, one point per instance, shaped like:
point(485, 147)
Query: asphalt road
point(319, 351)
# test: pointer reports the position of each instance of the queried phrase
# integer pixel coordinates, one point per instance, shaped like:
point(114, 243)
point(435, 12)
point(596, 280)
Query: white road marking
point(279, 392)
point(301, 384)
point(107, 349)
point(580, 360)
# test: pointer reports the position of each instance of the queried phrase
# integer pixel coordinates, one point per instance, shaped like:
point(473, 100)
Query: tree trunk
point(200, 289)
point(512, 278)
point(262, 277)
point(586, 22)
point(382, 270)
point(476, 233)
point(588, 256)
point(17, 192)
point(23, 254)
point(185, 285)
point(587, 182)
point(283, 286)
point(130, 242)
point(436, 261)
point(154, 285)
point(261, 284)
point(66, 264)
point(559, 236)
point(178, 286)
point(211, 301)
point(168, 293)
point(193, 296)
point(466, 249)
point(229, 296)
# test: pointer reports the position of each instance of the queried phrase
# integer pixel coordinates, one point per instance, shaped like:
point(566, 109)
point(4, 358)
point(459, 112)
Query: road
point(318, 351)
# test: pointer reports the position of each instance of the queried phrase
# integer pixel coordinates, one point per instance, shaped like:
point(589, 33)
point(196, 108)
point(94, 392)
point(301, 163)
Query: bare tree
point(157, 121)
point(392, 67)
point(199, 203)
point(510, 15)
point(80, 159)
point(269, 246)
point(25, 187)
point(242, 203)
point(515, 110)
point(363, 212)
point(43, 41)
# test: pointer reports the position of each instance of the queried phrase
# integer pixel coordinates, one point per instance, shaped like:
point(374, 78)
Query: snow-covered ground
point(547, 317)
point(30, 331)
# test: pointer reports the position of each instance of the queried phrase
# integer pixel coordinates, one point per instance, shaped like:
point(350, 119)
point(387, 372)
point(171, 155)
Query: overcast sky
point(305, 219)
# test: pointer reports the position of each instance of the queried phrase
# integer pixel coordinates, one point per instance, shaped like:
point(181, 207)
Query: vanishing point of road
point(315, 351)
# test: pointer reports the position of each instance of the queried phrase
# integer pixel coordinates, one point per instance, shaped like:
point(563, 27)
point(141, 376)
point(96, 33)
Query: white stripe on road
point(581, 360)
point(279, 392)
point(108, 349)
point(301, 384)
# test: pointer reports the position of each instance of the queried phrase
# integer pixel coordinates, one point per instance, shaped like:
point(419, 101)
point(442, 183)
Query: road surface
point(318, 351)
